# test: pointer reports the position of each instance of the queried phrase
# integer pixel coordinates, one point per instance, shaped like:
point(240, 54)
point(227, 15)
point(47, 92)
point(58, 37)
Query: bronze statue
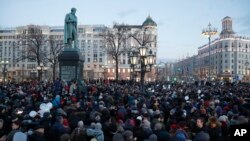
point(70, 29)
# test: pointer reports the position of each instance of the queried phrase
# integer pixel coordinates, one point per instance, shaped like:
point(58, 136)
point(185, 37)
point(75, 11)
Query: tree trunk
point(116, 68)
point(40, 75)
point(54, 72)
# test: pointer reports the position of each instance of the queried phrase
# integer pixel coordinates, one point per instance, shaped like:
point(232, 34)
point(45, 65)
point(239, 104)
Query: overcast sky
point(180, 22)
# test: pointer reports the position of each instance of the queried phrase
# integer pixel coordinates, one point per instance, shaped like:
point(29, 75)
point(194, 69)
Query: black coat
point(37, 136)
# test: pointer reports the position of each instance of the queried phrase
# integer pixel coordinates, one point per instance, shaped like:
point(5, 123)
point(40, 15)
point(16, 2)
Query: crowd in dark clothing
point(105, 110)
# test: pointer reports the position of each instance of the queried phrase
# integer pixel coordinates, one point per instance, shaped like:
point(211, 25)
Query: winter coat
point(97, 133)
point(79, 134)
point(37, 136)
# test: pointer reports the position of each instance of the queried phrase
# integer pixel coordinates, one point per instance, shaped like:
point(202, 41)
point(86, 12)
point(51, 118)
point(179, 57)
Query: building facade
point(97, 63)
point(229, 56)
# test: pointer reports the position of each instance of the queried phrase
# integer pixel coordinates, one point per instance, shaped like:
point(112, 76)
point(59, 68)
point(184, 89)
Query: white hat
point(139, 118)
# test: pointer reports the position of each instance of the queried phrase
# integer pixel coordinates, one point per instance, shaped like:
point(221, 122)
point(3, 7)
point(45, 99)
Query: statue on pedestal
point(70, 29)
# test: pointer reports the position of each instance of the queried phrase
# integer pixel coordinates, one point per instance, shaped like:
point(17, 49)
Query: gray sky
point(180, 22)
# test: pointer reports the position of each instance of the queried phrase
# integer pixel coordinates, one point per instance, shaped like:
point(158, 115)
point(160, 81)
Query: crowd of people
point(104, 110)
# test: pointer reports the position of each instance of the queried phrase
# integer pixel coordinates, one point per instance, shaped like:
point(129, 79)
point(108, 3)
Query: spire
point(149, 21)
point(227, 28)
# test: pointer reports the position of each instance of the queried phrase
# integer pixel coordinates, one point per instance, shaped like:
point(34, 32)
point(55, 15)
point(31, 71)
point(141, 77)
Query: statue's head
point(73, 10)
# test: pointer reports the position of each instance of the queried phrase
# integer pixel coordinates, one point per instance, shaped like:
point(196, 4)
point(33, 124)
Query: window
point(88, 59)
point(100, 60)
point(80, 30)
point(226, 44)
point(95, 56)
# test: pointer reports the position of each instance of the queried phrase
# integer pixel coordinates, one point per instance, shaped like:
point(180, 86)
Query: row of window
point(119, 70)
point(226, 45)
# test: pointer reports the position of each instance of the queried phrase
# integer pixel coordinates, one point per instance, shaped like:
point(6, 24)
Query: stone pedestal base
point(70, 65)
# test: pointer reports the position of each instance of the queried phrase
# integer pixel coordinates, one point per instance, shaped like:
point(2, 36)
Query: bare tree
point(55, 47)
point(115, 40)
point(32, 41)
point(144, 38)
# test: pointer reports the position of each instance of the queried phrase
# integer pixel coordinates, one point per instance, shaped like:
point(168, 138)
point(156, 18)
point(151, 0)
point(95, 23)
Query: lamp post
point(40, 69)
point(143, 59)
point(4, 63)
point(209, 31)
point(133, 62)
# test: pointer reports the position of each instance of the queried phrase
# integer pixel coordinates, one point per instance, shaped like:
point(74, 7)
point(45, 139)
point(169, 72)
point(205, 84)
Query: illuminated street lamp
point(40, 69)
point(5, 71)
point(144, 59)
point(209, 31)
point(133, 61)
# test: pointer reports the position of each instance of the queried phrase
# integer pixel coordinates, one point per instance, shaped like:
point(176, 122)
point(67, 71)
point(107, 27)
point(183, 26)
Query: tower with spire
point(227, 28)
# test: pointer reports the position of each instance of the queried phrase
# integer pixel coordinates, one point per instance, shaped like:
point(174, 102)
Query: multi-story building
point(97, 63)
point(165, 71)
point(185, 68)
point(229, 56)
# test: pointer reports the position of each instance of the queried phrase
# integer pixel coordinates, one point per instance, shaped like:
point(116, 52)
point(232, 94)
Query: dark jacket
point(215, 134)
point(59, 130)
point(79, 134)
point(37, 136)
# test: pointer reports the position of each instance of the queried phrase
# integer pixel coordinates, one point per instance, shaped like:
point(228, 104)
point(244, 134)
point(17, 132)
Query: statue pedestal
point(70, 64)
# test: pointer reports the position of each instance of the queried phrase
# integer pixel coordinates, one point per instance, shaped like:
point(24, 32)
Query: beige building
point(97, 64)
point(229, 56)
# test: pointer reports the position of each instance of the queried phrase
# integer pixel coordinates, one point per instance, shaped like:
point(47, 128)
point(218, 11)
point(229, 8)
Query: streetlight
point(133, 61)
point(40, 69)
point(4, 63)
point(143, 59)
point(209, 31)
